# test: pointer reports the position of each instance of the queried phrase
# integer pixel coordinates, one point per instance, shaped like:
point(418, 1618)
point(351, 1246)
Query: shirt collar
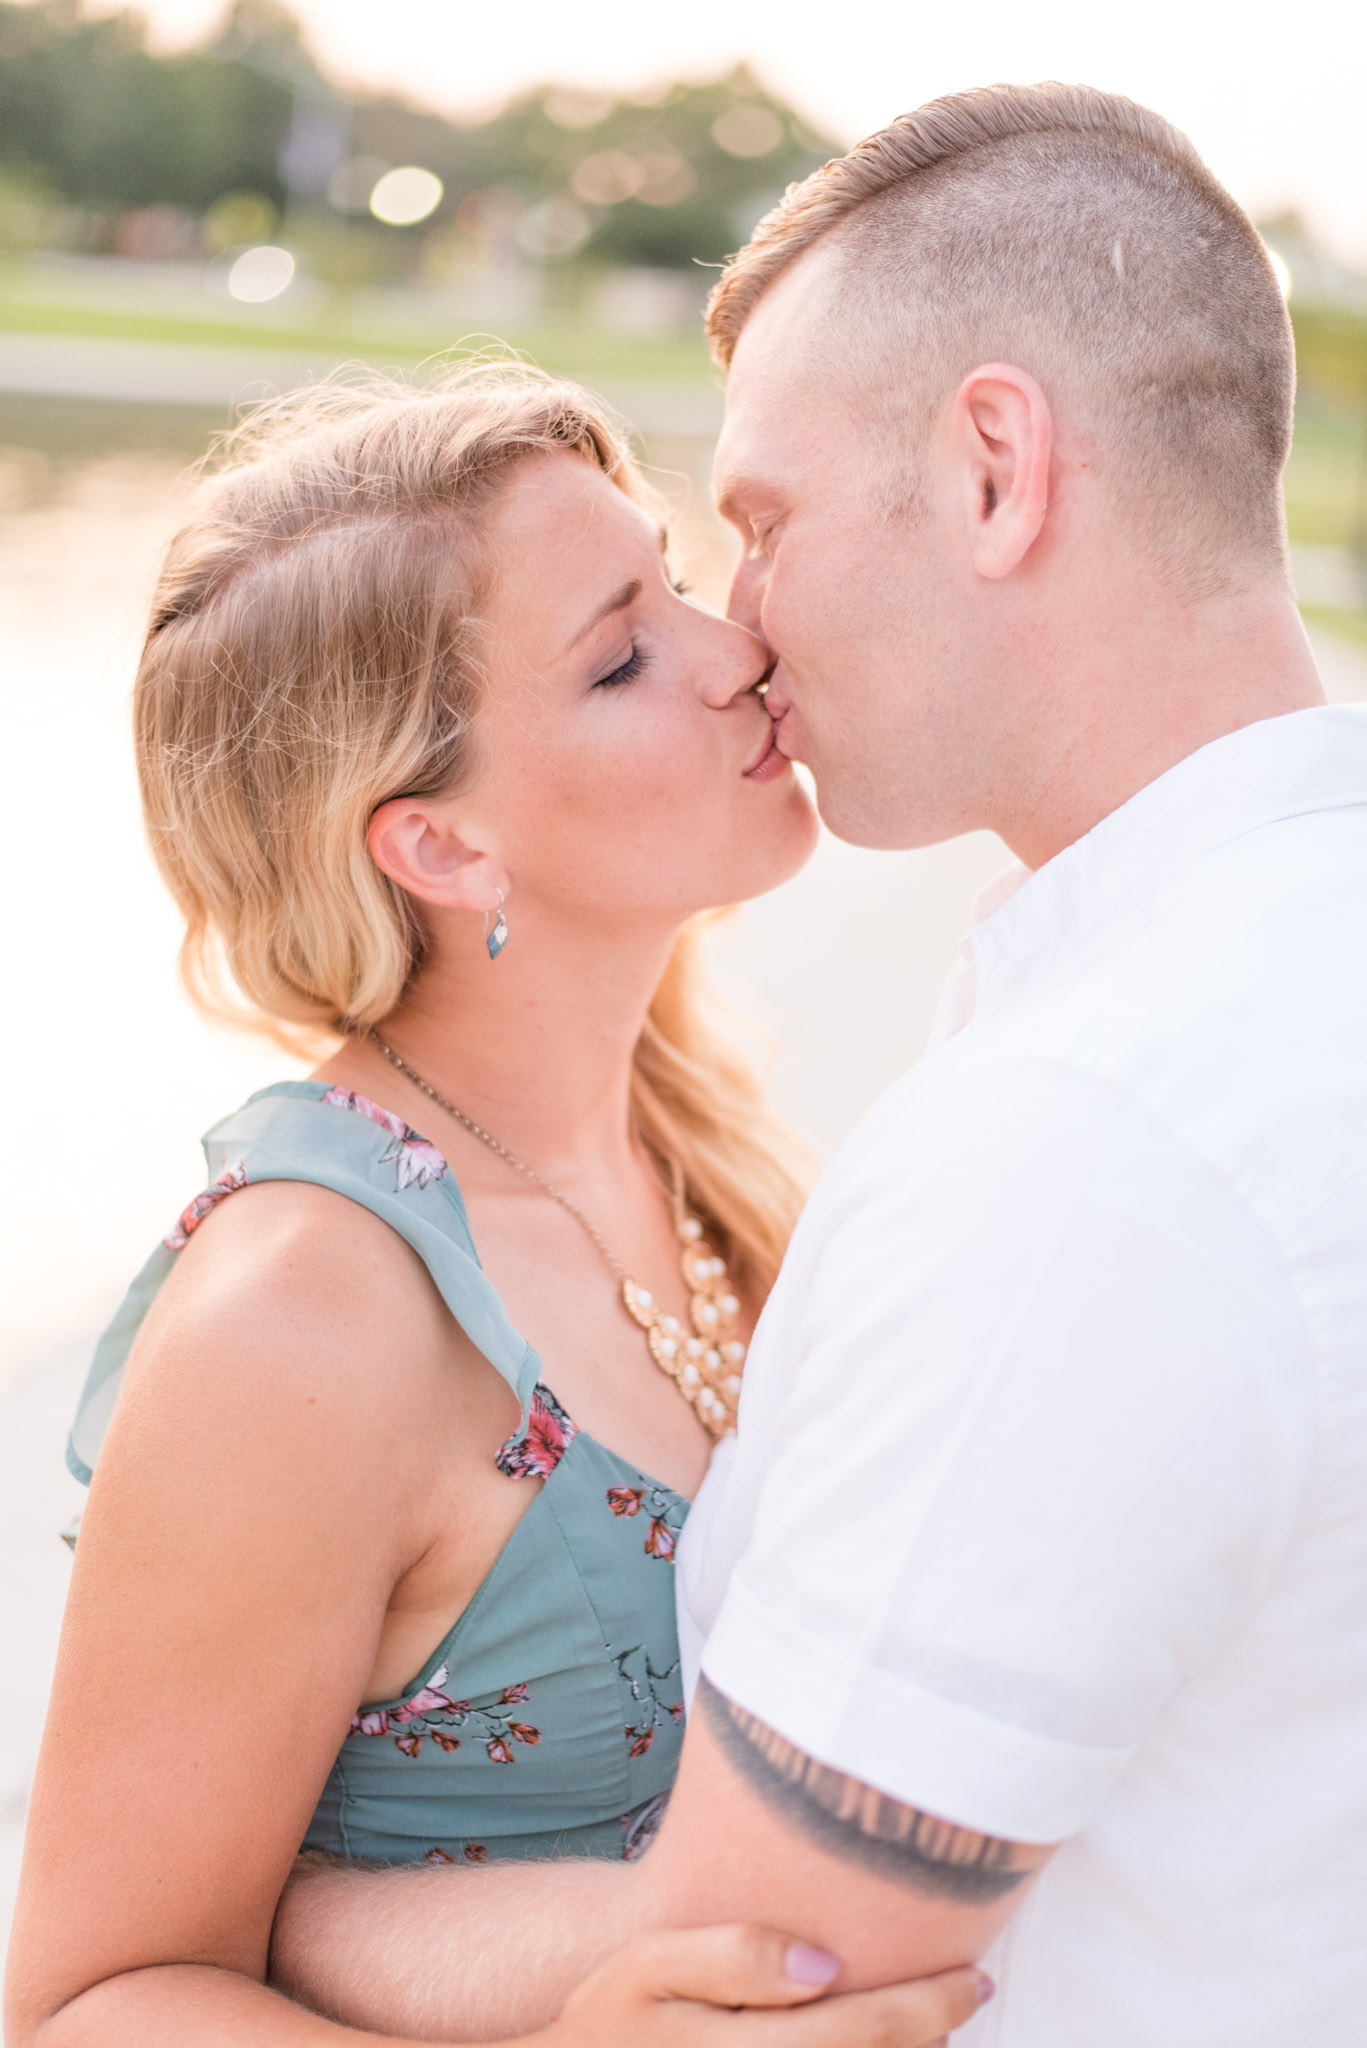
point(1277, 768)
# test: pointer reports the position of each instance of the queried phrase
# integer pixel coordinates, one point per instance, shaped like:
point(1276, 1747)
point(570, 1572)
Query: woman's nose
point(744, 661)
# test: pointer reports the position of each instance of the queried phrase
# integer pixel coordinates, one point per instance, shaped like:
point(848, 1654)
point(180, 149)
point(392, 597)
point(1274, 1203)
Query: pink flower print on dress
point(432, 1711)
point(229, 1181)
point(372, 1723)
point(550, 1433)
point(639, 1830)
point(415, 1160)
point(475, 1852)
point(665, 1509)
point(430, 1700)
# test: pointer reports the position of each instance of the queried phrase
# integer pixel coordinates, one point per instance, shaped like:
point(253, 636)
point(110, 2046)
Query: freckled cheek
point(628, 826)
point(632, 779)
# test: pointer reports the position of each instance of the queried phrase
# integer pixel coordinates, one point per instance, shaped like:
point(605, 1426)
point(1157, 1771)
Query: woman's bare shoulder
point(295, 1312)
point(282, 1241)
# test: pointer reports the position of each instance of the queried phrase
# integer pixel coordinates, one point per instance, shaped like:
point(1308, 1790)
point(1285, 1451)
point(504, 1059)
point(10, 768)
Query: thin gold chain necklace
point(705, 1362)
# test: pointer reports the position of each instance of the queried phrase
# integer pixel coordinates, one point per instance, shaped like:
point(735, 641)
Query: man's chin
point(863, 817)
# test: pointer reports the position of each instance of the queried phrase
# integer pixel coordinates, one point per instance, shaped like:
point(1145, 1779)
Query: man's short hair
point(1081, 237)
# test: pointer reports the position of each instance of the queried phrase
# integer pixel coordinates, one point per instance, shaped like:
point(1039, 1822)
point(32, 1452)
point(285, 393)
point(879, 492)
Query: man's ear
point(419, 845)
point(1004, 432)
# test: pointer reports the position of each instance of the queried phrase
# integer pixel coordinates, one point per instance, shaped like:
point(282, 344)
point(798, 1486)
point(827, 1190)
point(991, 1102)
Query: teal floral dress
point(547, 1721)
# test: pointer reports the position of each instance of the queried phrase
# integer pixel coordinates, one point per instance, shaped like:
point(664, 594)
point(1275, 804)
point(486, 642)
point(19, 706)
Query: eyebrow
point(628, 594)
point(618, 602)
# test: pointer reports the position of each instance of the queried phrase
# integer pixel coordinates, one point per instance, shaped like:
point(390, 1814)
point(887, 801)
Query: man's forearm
point(449, 1954)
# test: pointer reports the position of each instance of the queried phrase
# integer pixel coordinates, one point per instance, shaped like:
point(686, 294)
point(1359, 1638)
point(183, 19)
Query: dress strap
point(332, 1138)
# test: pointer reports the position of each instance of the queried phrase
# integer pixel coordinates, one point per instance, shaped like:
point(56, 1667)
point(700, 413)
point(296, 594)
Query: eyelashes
point(638, 658)
point(627, 673)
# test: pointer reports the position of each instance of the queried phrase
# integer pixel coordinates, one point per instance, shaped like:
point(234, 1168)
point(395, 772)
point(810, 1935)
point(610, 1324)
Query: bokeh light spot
point(747, 131)
point(573, 106)
point(261, 274)
point(555, 229)
point(608, 177)
point(667, 178)
point(405, 196)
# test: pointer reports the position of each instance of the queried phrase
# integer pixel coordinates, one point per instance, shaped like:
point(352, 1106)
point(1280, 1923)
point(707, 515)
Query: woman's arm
point(711, 1987)
point(260, 1495)
point(252, 1513)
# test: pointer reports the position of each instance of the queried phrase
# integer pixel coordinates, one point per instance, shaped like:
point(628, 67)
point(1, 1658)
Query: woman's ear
point(418, 844)
point(1005, 433)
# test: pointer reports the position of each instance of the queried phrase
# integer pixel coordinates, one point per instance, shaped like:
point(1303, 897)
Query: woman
point(438, 764)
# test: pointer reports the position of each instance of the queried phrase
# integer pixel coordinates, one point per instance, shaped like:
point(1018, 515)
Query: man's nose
point(746, 601)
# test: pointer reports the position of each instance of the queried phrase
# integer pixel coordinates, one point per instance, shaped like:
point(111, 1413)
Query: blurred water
point(111, 1076)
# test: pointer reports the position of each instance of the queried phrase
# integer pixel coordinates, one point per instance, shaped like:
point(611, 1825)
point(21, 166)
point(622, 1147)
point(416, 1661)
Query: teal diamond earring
point(496, 939)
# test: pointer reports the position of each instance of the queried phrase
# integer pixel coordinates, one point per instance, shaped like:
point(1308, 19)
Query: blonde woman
point(395, 1432)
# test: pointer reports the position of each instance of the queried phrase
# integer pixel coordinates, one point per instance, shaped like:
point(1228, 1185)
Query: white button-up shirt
point(1048, 1512)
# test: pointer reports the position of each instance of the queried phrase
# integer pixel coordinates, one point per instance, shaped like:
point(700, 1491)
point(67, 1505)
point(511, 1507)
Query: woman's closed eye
point(628, 671)
point(638, 659)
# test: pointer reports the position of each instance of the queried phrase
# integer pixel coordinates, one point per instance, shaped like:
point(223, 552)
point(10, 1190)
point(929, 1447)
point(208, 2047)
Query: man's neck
point(1136, 702)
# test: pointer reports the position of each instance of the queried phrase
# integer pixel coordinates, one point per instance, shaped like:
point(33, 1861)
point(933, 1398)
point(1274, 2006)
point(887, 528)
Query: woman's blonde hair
point(313, 653)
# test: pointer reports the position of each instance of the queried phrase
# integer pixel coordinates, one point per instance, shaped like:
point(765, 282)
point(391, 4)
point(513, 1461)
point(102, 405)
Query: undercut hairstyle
point(1080, 237)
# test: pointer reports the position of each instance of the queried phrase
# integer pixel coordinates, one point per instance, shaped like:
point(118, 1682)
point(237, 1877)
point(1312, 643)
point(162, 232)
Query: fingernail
point(986, 1988)
point(808, 1965)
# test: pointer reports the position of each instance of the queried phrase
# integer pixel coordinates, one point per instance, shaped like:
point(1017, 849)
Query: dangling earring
point(496, 939)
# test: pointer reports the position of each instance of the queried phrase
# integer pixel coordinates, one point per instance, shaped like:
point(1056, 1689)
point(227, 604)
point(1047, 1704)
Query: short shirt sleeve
point(1028, 1434)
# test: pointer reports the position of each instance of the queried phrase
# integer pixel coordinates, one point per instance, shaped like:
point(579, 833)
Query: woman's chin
point(787, 846)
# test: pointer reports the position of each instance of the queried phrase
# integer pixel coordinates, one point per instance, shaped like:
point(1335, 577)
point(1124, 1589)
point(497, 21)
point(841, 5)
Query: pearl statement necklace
point(706, 1365)
point(705, 1362)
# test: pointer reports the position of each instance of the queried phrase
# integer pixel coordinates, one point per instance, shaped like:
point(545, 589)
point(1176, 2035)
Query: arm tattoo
point(854, 1820)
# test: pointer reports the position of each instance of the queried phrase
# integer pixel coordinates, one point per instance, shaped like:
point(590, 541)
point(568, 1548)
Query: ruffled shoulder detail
point(334, 1138)
point(536, 1448)
point(416, 1160)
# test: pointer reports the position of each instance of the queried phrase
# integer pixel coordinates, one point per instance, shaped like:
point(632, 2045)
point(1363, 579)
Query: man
point(1035, 1591)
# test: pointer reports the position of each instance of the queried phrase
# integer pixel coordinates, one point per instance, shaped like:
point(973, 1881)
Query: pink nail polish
point(986, 1988)
point(807, 1965)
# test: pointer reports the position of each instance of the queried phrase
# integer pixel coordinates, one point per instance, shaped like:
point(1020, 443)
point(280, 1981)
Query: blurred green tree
point(664, 177)
point(86, 109)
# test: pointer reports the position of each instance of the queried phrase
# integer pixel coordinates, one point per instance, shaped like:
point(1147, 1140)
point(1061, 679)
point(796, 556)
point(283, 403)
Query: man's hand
point(680, 1989)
